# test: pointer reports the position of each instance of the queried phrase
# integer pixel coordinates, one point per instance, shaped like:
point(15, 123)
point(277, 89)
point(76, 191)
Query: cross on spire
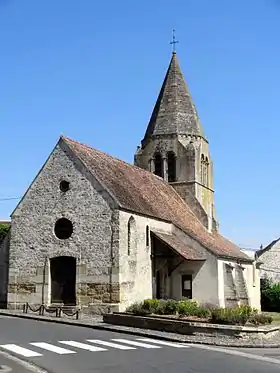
point(174, 41)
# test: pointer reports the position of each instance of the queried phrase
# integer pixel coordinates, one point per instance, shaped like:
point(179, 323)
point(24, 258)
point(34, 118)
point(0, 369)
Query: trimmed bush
point(137, 309)
point(232, 316)
point(184, 308)
point(260, 319)
point(151, 305)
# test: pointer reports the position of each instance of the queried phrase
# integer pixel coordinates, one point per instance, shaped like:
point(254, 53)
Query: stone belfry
point(175, 148)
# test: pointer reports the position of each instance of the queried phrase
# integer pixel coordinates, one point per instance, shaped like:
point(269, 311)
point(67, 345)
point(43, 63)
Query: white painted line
point(134, 343)
point(83, 346)
point(20, 350)
point(238, 353)
point(5, 369)
point(164, 343)
point(52, 348)
point(110, 344)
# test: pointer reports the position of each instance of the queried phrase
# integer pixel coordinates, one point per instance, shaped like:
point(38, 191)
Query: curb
point(108, 327)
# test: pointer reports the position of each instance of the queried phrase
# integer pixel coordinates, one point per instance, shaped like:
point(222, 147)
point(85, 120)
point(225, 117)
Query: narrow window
point(131, 235)
point(202, 169)
point(171, 161)
point(158, 165)
point(147, 236)
point(206, 171)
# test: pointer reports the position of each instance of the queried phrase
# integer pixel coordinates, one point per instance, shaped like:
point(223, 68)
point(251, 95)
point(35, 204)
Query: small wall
point(190, 328)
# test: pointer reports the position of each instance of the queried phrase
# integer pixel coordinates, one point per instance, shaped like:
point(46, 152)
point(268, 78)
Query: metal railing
point(58, 310)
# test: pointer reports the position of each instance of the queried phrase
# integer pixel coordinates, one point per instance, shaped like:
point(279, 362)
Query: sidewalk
point(96, 322)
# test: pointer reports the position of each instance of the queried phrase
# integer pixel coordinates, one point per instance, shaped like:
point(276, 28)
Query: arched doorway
point(63, 280)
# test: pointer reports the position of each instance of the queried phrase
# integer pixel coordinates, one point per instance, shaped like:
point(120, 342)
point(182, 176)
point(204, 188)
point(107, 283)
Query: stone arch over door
point(63, 280)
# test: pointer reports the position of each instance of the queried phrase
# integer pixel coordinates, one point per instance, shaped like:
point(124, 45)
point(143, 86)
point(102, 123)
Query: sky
point(92, 70)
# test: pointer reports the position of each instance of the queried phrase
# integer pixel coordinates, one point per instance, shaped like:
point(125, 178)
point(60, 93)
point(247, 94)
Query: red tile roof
point(186, 251)
point(142, 192)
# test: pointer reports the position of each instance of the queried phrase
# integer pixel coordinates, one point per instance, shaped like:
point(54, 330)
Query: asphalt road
point(61, 348)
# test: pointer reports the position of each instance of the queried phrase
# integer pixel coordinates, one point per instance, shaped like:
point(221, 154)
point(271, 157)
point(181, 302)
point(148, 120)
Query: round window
point(64, 185)
point(63, 228)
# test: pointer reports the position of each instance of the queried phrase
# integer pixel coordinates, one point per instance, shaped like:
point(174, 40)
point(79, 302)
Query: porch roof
point(177, 245)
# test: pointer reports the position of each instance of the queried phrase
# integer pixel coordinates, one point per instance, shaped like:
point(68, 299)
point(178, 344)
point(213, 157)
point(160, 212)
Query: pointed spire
point(174, 112)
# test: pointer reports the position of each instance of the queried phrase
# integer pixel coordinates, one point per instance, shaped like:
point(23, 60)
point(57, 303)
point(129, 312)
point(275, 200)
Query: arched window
point(131, 235)
point(158, 165)
point(204, 170)
point(147, 236)
point(171, 161)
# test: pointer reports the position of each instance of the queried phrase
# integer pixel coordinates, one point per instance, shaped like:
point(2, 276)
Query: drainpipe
point(112, 223)
point(44, 280)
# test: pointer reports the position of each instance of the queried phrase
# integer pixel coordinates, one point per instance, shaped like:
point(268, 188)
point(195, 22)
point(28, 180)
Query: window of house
point(158, 164)
point(131, 235)
point(171, 161)
point(147, 236)
point(204, 170)
point(64, 186)
point(63, 228)
point(187, 286)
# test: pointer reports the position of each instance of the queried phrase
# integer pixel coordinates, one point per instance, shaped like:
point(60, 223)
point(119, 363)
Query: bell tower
point(175, 148)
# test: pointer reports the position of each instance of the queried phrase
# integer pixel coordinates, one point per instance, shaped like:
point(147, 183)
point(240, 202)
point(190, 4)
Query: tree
point(4, 227)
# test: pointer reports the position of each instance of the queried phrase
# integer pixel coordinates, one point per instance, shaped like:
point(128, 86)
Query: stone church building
point(94, 231)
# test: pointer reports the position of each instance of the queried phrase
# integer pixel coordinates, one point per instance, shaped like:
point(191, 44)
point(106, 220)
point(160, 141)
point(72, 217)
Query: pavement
point(60, 348)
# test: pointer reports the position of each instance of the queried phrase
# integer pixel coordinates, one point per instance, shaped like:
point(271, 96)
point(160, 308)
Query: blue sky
point(92, 71)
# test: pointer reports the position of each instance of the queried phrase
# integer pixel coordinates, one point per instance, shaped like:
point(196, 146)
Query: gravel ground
point(96, 321)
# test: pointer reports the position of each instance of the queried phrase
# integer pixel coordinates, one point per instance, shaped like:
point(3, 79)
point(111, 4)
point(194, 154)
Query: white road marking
point(111, 344)
point(237, 353)
point(164, 343)
point(20, 350)
point(52, 348)
point(83, 346)
point(134, 343)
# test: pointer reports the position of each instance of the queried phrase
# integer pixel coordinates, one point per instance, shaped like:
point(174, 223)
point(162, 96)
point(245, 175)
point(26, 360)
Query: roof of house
point(142, 192)
point(177, 245)
point(174, 111)
point(268, 247)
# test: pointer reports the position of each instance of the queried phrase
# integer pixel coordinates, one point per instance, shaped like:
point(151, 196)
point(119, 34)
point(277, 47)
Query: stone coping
point(238, 328)
point(95, 322)
point(189, 327)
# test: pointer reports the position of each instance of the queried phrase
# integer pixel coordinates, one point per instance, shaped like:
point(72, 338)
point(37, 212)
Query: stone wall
point(4, 268)
point(270, 260)
point(94, 242)
point(238, 284)
point(136, 281)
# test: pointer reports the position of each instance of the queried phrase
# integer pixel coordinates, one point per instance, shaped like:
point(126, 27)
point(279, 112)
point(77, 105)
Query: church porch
point(176, 268)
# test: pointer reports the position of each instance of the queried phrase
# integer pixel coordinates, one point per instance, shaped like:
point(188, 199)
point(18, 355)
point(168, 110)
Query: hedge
point(183, 308)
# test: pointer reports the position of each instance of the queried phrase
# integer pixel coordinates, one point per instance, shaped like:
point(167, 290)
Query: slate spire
point(174, 111)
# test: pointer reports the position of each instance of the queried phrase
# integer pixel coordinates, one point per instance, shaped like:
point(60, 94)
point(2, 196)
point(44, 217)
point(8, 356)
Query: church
point(96, 232)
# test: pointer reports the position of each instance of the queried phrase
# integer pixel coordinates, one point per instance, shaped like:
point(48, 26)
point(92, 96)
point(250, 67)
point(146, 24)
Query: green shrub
point(151, 305)
point(187, 308)
point(232, 316)
point(260, 319)
point(270, 296)
point(137, 309)
point(171, 307)
point(161, 310)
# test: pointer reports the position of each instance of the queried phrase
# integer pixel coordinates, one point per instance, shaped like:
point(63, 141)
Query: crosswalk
point(91, 345)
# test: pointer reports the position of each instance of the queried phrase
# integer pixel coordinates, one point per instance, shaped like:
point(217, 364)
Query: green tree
point(4, 227)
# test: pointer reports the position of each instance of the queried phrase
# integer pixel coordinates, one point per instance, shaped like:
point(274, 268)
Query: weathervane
point(174, 41)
